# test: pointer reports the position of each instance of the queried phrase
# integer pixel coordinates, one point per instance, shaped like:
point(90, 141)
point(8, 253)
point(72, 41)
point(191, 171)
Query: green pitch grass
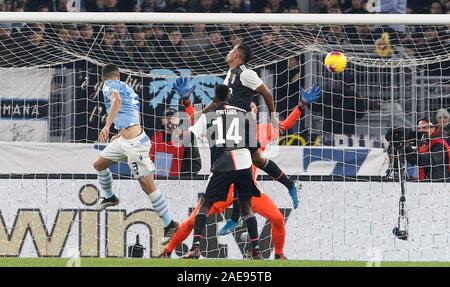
point(123, 262)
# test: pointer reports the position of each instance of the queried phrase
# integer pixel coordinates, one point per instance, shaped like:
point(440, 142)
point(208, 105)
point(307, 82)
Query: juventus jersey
point(226, 129)
point(242, 83)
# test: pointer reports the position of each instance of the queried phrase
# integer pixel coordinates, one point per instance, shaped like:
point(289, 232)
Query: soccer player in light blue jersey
point(131, 144)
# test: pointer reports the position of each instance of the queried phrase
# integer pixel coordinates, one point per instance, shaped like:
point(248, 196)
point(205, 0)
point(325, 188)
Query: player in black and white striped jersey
point(244, 83)
point(226, 129)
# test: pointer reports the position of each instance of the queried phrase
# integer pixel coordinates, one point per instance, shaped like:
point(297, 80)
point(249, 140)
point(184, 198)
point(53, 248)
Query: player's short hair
point(246, 52)
point(110, 70)
point(221, 93)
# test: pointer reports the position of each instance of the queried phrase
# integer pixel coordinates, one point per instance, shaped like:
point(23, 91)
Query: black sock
point(199, 225)
point(252, 228)
point(236, 212)
point(274, 171)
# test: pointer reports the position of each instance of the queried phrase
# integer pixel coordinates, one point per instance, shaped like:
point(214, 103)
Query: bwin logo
point(50, 237)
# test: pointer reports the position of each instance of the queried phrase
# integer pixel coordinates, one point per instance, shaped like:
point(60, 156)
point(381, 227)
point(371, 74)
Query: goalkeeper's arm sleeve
point(190, 110)
point(291, 119)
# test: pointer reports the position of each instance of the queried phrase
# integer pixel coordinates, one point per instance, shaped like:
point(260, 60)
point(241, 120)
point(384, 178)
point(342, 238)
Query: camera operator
point(170, 158)
point(432, 155)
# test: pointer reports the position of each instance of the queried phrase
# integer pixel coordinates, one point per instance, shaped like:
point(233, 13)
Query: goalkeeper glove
point(310, 96)
point(182, 88)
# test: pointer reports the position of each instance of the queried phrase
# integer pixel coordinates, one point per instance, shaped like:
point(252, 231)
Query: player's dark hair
point(246, 53)
point(110, 70)
point(221, 93)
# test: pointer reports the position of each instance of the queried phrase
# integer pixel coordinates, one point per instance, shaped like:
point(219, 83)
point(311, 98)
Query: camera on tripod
point(399, 139)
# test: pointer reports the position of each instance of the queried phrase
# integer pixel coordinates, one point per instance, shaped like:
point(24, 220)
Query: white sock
point(159, 203)
point(105, 179)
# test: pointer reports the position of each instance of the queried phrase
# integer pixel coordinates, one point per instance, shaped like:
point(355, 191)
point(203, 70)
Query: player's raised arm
point(181, 86)
point(115, 107)
point(307, 97)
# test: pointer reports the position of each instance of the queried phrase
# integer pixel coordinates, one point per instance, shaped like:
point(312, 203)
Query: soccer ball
point(335, 62)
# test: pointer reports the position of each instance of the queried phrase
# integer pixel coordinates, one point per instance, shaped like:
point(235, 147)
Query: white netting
point(396, 75)
point(141, 48)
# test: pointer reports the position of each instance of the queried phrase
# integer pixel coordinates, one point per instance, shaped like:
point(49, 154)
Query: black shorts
point(220, 182)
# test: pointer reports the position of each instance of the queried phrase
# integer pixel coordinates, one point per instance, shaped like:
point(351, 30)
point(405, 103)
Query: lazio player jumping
point(131, 144)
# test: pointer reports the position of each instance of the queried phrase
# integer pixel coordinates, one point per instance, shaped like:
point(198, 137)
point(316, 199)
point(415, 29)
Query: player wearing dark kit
point(226, 130)
point(244, 83)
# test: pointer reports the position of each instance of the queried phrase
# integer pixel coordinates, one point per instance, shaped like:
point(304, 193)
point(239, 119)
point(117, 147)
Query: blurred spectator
point(169, 49)
point(235, 6)
point(432, 155)
point(196, 41)
point(98, 7)
point(360, 35)
point(294, 10)
point(123, 37)
point(8, 5)
point(234, 40)
point(277, 6)
point(335, 9)
point(436, 8)
point(357, 8)
point(138, 49)
point(336, 35)
point(62, 5)
point(87, 34)
point(206, 6)
point(147, 6)
point(5, 31)
point(443, 123)
point(43, 8)
point(325, 5)
point(171, 159)
point(19, 8)
point(215, 52)
point(418, 6)
point(63, 34)
point(110, 6)
point(159, 33)
point(179, 6)
point(75, 36)
point(110, 47)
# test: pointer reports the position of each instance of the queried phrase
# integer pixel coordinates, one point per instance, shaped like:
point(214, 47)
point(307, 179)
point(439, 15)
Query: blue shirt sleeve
point(109, 87)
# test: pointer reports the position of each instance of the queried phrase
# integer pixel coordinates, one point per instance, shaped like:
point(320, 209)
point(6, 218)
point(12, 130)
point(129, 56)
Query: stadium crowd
point(218, 6)
point(172, 45)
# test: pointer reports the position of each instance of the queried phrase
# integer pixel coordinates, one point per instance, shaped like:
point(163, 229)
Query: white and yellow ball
point(335, 62)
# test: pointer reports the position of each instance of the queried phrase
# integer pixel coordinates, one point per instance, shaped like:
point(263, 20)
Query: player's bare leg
point(159, 203)
point(274, 171)
point(105, 179)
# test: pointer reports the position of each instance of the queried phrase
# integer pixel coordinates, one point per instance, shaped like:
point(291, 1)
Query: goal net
point(51, 111)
